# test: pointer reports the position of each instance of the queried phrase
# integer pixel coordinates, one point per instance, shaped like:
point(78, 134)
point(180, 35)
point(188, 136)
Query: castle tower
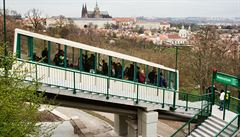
point(96, 12)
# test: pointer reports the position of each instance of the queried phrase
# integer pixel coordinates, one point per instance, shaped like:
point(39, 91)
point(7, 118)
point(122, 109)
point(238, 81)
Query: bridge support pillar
point(120, 125)
point(147, 123)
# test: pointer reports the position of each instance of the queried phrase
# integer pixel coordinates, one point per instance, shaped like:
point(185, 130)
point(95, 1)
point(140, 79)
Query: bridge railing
point(231, 128)
point(79, 81)
point(190, 125)
point(232, 103)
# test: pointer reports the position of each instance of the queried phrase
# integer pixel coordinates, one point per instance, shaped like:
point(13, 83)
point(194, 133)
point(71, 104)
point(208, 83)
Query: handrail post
point(175, 90)
point(189, 128)
point(18, 46)
point(123, 67)
point(163, 98)
point(186, 103)
point(95, 63)
point(81, 60)
point(49, 52)
point(30, 47)
point(137, 95)
point(36, 74)
point(158, 80)
point(146, 79)
point(65, 56)
point(108, 86)
point(74, 83)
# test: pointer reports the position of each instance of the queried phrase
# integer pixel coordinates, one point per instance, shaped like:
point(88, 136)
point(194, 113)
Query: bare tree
point(34, 16)
point(210, 51)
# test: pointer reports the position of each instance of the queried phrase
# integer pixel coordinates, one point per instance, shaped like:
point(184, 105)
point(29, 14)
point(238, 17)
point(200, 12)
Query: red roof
point(174, 36)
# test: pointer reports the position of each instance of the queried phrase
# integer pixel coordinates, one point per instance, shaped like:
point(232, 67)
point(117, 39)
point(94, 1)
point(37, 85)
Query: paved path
point(228, 115)
point(96, 126)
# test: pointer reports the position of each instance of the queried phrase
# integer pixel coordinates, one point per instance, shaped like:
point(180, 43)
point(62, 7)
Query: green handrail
point(200, 113)
point(115, 79)
point(237, 128)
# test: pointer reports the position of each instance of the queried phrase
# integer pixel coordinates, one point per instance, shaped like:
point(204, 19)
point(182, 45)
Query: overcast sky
point(132, 8)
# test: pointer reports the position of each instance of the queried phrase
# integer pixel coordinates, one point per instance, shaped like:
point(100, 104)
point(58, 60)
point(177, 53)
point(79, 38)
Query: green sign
point(227, 79)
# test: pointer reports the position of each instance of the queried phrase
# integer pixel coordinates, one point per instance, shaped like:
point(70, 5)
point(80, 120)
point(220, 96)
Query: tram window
point(116, 68)
point(57, 54)
point(141, 73)
point(129, 70)
point(38, 47)
point(162, 79)
point(75, 58)
point(89, 61)
point(152, 75)
point(102, 61)
point(24, 47)
point(70, 57)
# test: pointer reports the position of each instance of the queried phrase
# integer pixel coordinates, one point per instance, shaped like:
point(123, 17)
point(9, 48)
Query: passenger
point(104, 68)
point(86, 66)
point(114, 66)
point(142, 77)
point(126, 73)
point(130, 73)
point(59, 58)
point(35, 57)
point(91, 63)
point(152, 76)
point(162, 81)
point(45, 55)
point(119, 70)
point(222, 95)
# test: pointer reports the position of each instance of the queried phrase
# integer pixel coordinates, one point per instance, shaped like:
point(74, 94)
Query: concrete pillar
point(139, 118)
point(148, 126)
point(132, 128)
point(120, 125)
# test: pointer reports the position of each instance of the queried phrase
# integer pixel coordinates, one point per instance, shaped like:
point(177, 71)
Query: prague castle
point(94, 14)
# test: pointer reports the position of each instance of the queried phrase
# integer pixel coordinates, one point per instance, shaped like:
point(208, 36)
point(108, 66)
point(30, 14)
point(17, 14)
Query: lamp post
point(4, 28)
point(176, 68)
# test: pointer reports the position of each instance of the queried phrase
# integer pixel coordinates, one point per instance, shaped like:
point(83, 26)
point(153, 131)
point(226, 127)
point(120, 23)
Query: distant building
point(125, 23)
point(175, 39)
point(183, 33)
point(164, 26)
point(94, 14)
point(93, 22)
point(148, 25)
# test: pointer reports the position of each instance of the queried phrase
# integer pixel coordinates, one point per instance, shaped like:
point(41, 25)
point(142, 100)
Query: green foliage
point(19, 100)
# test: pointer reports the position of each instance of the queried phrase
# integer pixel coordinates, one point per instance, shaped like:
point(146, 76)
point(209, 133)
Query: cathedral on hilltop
point(94, 14)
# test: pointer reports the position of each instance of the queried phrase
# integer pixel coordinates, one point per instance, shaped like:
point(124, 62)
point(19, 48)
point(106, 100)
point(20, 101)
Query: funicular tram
point(83, 68)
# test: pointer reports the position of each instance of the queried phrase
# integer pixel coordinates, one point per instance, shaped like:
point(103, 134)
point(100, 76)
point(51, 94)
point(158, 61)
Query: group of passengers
point(88, 65)
point(128, 73)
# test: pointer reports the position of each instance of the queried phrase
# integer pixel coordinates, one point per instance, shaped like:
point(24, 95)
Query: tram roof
point(89, 48)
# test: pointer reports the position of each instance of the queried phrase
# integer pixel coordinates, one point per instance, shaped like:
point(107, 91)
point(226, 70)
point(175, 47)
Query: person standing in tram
point(131, 72)
point(162, 81)
point(91, 63)
point(45, 55)
point(141, 76)
point(152, 76)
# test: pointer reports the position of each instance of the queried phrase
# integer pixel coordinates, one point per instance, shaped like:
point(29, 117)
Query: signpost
point(227, 80)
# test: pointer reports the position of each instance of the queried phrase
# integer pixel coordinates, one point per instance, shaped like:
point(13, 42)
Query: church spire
point(83, 10)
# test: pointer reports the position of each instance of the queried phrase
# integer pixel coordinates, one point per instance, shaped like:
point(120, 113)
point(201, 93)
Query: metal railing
point(195, 121)
point(231, 128)
point(79, 81)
